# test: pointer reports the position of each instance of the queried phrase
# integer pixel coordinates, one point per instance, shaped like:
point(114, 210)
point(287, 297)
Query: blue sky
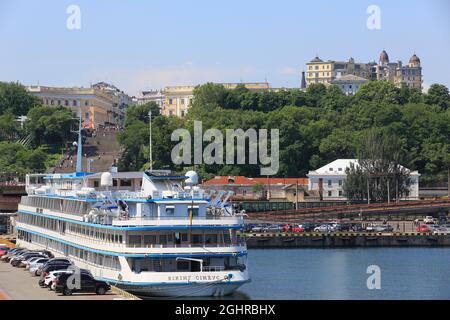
point(139, 45)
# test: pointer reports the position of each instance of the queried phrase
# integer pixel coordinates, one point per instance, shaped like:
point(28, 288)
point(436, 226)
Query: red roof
point(241, 180)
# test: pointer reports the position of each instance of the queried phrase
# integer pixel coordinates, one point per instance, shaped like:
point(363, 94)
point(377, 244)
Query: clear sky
point(140, 45)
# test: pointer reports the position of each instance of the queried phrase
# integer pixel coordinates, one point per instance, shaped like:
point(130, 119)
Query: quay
point(18, 284)
point(345, 240)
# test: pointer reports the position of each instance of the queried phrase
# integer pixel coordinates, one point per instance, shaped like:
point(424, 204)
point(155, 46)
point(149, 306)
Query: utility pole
point(296, 194)
point(368, 189)
point(79, 146)
point(448, 182)
point(388, 191)
point(150, 139)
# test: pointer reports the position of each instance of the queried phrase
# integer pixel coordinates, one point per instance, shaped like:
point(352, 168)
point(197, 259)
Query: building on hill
point(349, 84)
point(176, 100)
point(121, 100)
point(328, 180)
point(97, 106)
point(273, 189)
point(320, 71)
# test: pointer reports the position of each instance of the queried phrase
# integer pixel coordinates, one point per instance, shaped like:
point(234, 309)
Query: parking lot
point(18, 284)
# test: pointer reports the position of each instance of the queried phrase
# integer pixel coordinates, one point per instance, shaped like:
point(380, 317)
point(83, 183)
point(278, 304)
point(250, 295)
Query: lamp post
point(150, 139)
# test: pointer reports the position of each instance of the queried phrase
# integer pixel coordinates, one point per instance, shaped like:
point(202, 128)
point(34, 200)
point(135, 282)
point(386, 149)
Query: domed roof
point(384, 56)
point(414, 59)
point(316, 59)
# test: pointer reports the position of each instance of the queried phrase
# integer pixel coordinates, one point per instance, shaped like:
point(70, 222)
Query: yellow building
point(326, 72)
point(319, 71)
point(96, 106)
point(178, 99)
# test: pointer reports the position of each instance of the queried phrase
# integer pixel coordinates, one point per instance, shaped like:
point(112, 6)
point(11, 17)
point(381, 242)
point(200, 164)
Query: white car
point(48, 280)
point(324, 228)
point(428, 220)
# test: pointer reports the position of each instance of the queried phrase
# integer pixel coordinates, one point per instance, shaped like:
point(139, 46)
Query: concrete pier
point(19, 284)
point(343, 240)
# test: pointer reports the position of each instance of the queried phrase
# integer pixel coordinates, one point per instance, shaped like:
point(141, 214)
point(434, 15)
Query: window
point(75, 103)
point(66, 103)
point(329, 193)
point(170, 101)
point(329, 183)
point(330, 169)
point(340, 193)
point(86, 102)
point(125, 183)
point(182, 101)
point(194, 211)
point(340, 182)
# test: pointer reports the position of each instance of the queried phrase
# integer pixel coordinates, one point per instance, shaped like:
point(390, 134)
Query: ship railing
point(154, 218)
point(186, 245)
point(213, 268)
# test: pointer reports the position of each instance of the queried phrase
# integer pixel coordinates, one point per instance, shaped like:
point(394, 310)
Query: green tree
point(16, 99)
point(438, 94)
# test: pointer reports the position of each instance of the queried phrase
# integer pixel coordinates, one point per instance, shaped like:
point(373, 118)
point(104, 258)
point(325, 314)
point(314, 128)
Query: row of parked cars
point(318, 227)
point(55, 272)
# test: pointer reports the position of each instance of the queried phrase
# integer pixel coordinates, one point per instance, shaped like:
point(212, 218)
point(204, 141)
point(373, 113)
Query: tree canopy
point(317, 125)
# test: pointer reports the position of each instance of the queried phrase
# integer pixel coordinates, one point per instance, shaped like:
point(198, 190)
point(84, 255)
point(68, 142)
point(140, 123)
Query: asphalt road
point(18, 284)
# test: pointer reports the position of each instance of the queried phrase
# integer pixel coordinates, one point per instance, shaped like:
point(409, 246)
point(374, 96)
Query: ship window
point(210, 238)
point(134, 240)
point(194, 211)
point(197, 238)
point(182, 265)
point(163, 239)
point(184, 237)
point(149, 239)
point(125, 183)
point(170, 210)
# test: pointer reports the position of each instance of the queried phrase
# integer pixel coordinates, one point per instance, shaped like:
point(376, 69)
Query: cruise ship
point(150, 233)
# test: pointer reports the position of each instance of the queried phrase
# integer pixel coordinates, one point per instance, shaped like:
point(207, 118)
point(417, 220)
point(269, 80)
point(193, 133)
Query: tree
point(16, 99)
point(50, 125)
point(9, 126)
point(378, 175)
point(140, 112)
point(438, 94)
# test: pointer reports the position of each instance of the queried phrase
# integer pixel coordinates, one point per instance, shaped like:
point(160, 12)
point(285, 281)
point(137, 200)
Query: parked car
point(356, 227)
point(429, 220)
point(297, 228)
point(12, 253)
point(286, 228)
point(16, 261)
point(258, 228)
point(273, 228)
point(48, 280)
point(379, 228)
point(423, 228)
point(87, 284)
point(52, 267)
point(24, 262)
point(4, 251)
point(35, 264)
point(308, 226)
point(323, 228)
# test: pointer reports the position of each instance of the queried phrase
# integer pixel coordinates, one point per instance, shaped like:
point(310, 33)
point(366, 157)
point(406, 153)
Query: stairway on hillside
point(101, 150)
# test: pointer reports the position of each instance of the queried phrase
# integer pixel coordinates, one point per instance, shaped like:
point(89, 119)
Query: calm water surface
point(406, 273)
